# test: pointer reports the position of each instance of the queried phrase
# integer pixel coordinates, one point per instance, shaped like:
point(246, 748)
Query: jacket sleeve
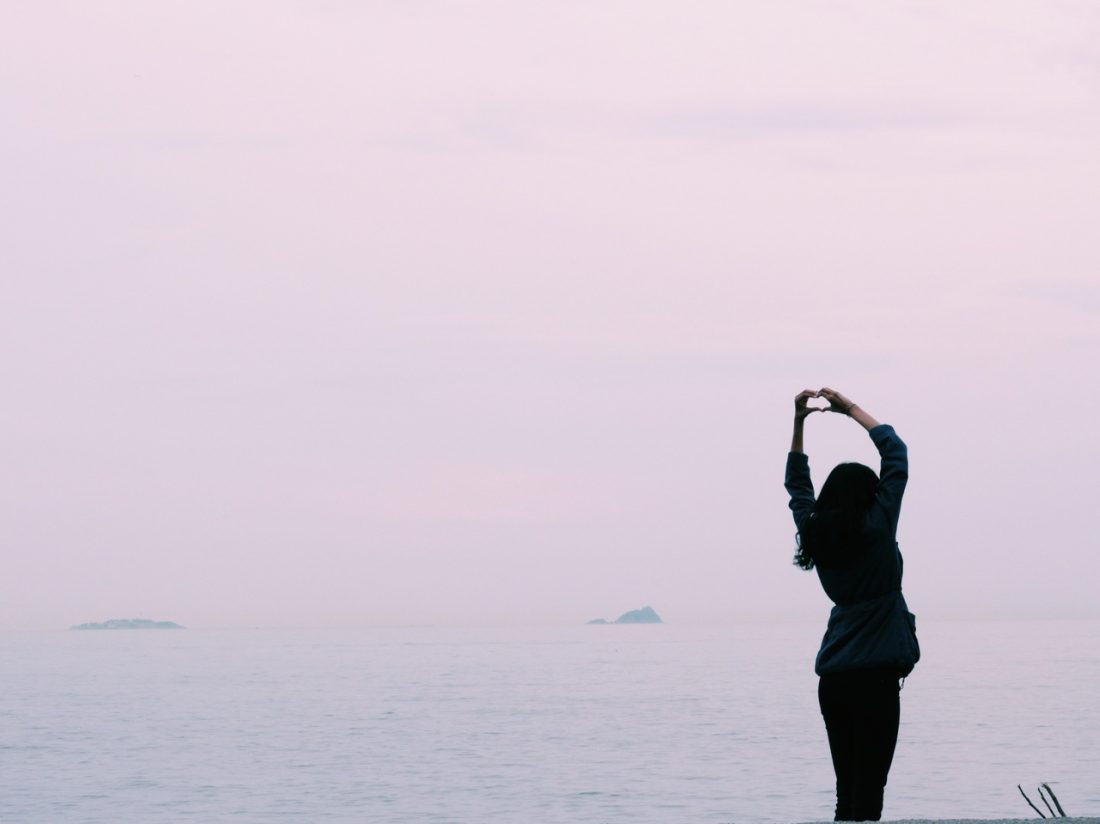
point(894, 472)
point(799, 486)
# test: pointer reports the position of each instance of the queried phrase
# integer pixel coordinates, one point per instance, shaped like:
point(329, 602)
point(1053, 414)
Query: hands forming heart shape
point(835, 401)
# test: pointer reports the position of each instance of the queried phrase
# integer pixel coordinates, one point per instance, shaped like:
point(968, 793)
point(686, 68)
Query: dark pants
point(861, 710)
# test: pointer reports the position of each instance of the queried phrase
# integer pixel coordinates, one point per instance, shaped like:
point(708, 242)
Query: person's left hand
point(801, 410)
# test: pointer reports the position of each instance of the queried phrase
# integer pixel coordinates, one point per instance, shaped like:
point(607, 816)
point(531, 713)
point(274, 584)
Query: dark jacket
point(870, 625)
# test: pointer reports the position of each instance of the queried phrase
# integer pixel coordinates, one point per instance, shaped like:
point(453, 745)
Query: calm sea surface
point(582, 724)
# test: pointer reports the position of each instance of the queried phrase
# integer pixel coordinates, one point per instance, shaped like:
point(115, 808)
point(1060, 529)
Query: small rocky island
point(130, 623)
point(645, 615)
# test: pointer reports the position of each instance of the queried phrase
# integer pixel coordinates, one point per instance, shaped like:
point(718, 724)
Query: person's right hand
point(837, 402)
point(801, 410)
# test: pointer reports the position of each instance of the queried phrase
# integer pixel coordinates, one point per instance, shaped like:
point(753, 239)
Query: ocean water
point(578, 724)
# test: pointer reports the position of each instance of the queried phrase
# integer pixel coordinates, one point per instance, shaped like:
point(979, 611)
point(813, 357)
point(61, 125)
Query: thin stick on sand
point(1054, 798)
point(1028, 800)
point(1039, 789)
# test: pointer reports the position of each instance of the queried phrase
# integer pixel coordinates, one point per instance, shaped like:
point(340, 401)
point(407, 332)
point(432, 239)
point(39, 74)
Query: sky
point(422, 313)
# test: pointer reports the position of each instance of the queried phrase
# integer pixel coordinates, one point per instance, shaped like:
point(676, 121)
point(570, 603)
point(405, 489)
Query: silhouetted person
point(848, 534)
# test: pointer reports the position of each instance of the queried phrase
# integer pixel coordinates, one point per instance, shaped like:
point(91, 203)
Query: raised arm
point(894, 473)
point(894, 455)
point(797, 481)
point(801, 412)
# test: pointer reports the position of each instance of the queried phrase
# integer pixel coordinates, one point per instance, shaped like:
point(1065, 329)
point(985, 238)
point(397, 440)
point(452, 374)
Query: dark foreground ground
point(981, 820)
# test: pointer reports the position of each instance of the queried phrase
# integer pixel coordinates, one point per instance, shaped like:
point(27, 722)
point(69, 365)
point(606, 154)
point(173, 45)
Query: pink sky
point(414, 312)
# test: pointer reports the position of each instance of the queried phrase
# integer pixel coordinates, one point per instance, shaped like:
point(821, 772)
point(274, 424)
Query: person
point(849, 535)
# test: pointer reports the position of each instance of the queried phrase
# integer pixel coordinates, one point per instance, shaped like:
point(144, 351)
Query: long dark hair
point(833, 534)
